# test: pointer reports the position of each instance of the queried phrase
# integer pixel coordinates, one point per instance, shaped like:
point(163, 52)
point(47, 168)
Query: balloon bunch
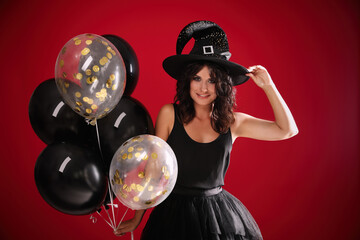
point(86, 117)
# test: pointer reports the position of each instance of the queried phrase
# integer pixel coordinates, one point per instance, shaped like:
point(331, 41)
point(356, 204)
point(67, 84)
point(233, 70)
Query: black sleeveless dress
point(198, 208)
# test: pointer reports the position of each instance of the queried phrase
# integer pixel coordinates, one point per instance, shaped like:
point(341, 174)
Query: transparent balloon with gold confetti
point(143, 172)
point(90, 75)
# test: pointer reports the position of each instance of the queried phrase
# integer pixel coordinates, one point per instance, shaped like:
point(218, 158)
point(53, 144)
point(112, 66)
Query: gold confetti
point(117, 180)
point(133, 186)
point(78, 103)
point(105, 43)
point(112, 77)
point(146, 157)
point(111, 50)
point(88, 42)
point(163, 169)
point(117, 173)
point(130, 155)
point(154, 155)
point(90, 101)
point(77, 109)
point(85, 99)
point(95, 68)
point(114, 87)
point(139, 149)
point(137, 155)
point(141, 174)
point(137, 139)
point(124, 156)
point(77, 94)
point(77, 42)
point(159, 144)
point(109, 55)
point(163, 192)
point(139, 188)
point(106, 109)
point(66, 84)
point(94, 107)
point(125, 186)
point(167, 175)
point(149, 202)
point(150, 188)
point(79, 76)
point(88, 110)
point(101, 95)
point(64, 74)
point(103, 61)
point(130, 149)
point(88, 72)
point(123, 195)
point(136, 198)
point(108, 83)
point(85, 51)
point(61, 63)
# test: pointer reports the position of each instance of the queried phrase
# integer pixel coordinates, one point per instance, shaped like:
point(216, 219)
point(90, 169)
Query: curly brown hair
point(222, 115)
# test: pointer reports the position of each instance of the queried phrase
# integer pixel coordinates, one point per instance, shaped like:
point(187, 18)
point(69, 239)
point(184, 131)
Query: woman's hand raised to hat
point(260, 76)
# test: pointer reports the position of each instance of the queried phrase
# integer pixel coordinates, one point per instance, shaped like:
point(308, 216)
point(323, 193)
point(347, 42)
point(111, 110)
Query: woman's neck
point(202, 111)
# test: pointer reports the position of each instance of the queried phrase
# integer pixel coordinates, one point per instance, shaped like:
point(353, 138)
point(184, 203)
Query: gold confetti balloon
point(90, 67)
point(143, 172)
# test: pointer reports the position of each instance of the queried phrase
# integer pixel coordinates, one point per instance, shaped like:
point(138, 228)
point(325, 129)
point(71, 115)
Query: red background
point(307, 187)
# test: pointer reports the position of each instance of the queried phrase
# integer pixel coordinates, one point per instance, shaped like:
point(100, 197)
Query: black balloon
point(53, 120)
point(128, 119)
point(130, 60)
point(71, 178)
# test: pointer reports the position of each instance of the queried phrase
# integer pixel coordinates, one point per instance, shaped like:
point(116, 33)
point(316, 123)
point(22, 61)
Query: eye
point(212, 80)
point(196, 78)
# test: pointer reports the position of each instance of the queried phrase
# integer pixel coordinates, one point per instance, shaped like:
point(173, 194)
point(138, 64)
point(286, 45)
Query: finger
point(250, 69)
point(119, 233)
point(250, 75)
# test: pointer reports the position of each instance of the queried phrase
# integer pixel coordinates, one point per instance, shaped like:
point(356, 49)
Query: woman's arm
point(131, 224)
point(164, 121)
point(284, 125)
point(163, 127)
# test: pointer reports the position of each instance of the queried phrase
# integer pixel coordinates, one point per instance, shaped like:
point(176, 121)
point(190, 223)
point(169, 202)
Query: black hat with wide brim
point(211, 45)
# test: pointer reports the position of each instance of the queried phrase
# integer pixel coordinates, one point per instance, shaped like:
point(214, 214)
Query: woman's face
point(202, 87)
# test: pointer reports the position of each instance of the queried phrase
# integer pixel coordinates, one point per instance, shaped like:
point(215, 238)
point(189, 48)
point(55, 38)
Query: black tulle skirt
point(216, 217)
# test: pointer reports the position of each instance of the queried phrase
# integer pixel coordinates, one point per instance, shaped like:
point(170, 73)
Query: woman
point(201, 127)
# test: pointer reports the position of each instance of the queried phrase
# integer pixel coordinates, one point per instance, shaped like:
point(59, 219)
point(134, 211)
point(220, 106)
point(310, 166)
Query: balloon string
point(122, 218)
point(112, 223)
point(98, 138)
point(132, 235)
point(105, 220)
point(112, 204)
point(109, 190)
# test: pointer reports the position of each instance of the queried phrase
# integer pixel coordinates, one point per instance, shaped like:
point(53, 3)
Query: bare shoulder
point(167, 109)
point(165, 121)
point(239, 118)
point(236, 126)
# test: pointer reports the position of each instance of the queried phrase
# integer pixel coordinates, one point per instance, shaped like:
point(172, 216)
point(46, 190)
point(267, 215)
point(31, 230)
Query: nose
point(204, 86)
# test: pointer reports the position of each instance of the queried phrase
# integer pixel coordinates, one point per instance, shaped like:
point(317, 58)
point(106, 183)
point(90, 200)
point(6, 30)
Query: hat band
point(209, 52)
